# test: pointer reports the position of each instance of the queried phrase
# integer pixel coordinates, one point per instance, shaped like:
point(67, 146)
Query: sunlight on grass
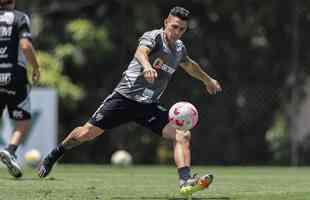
point(83, 182)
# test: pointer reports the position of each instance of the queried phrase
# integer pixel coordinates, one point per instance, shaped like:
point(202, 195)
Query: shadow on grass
point(170, 198)
point(7, 178)
point(39, 179)
point(29, 179)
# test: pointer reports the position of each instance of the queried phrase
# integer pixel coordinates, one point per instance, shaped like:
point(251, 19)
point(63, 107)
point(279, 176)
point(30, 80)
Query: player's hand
point(150, 74)
point(213, 86)
point(35, 75)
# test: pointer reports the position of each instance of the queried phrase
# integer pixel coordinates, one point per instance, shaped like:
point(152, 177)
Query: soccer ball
point(32, 157)
point(121, 158)
point(183, 116)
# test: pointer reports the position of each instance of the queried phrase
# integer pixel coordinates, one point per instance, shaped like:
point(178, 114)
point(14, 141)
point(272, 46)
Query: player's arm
point(25, 44)
point(142, 55)
point(29, 52)
point(194, 69)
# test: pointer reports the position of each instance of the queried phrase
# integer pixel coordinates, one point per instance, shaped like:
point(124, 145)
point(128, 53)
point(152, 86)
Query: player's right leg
point(75, 138)
point(7, 155)
point(114, 111)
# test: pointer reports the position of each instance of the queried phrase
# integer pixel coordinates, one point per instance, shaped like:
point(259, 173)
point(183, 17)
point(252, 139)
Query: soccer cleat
point(196, 184)
point(10, 161)
point(45, 167)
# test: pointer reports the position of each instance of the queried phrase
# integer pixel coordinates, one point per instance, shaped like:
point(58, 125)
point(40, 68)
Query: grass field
point(97, 182)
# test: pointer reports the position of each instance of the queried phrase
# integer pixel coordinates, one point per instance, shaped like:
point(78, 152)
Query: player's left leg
point(181, 149)
point(181, 146)
point(155, 117)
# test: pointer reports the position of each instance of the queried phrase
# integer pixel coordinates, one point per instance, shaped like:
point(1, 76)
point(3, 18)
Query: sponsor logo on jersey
point(5, 78)
point(3, 53)
point(10, 92)
point(179, 47)
point(7, 17)
point(147, 93)
point(159, 64)
point(5, 65)
point(98, 117)
point(5, 31)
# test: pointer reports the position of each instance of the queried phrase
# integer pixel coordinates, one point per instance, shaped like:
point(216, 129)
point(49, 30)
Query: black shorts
point(117, 109)
point(17, 101)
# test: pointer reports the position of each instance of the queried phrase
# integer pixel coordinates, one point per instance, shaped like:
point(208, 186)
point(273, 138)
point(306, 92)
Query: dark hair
point(180, 12)
point(6, 2)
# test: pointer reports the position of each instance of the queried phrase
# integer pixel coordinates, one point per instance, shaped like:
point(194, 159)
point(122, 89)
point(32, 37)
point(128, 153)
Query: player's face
point(174, 28)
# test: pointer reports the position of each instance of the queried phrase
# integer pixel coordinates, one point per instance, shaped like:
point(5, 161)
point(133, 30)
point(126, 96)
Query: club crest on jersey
point(7, 17)
point(159, 64)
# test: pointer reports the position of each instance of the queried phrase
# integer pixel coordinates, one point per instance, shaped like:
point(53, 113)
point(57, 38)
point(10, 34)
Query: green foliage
point(64, 51)
point(278, 140)
point(86, 35)
point(246, 45)
point(52, 76)
point(70, 52)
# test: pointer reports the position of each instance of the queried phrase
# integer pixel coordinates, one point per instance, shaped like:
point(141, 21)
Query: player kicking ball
point(184, 116)
point(136, 98)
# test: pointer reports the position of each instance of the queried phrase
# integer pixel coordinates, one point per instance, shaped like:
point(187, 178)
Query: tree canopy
point(256, 49)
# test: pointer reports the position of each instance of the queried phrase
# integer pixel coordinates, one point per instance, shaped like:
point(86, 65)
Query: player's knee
point(183, 137)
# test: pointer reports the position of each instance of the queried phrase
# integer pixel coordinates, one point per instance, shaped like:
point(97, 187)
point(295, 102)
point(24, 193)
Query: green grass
point(97, 182)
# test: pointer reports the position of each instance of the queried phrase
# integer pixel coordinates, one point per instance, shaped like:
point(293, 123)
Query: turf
point(96, 182)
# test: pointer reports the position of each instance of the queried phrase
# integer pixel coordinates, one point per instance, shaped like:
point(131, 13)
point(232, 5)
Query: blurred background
point(258, 50)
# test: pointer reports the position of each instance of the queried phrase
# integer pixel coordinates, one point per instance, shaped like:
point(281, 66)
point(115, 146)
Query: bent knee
point(183, 136)
point(176, 135)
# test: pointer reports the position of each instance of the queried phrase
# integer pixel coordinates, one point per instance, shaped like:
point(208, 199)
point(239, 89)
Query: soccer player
point(15, 49)
point(136, 97)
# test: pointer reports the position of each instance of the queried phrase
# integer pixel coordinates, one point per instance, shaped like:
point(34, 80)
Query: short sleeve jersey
point(14, 25)
point(163, 58)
